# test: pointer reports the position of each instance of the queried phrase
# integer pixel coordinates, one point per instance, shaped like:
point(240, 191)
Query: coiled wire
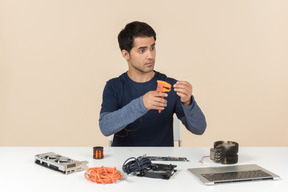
point(133, 164)
point(102, 175)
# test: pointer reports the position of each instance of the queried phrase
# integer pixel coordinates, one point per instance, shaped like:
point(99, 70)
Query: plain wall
point(56, 56)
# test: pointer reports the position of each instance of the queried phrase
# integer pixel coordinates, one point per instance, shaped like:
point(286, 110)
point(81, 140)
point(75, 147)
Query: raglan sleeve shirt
point(114, 118)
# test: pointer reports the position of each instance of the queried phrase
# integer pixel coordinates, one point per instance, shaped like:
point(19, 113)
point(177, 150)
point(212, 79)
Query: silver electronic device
point(60, 163)
point(236, 173)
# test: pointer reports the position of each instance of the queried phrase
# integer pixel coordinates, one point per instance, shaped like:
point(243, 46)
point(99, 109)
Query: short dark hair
point(132, 30)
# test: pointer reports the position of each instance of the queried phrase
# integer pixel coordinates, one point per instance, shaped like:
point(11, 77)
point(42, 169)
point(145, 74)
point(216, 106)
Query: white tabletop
point(18, 171)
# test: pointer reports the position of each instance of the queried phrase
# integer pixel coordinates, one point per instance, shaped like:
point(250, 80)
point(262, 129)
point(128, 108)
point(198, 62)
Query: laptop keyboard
point(239, 175)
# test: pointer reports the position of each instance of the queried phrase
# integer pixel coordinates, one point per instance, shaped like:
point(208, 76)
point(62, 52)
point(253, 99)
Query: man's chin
point(149, 70)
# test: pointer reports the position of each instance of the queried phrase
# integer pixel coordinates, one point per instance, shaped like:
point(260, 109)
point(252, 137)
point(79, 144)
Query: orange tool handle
point(162, 87)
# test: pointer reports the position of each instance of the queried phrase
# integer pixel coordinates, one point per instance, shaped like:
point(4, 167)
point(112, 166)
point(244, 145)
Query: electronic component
point(143, 167)
point(161, 171)
point(157, 158)
point(98, 152)
point(224, 152)
point(60, 163)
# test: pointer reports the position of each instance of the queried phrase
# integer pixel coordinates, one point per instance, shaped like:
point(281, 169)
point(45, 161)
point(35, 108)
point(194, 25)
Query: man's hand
point(184, 91)
point(154, 100)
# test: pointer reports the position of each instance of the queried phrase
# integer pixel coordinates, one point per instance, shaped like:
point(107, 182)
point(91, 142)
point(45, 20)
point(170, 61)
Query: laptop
point(235, 173)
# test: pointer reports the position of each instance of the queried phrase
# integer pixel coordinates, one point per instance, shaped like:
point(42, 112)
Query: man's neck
point(140, 77)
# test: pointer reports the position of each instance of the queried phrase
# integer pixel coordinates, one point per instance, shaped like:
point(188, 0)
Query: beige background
point(56, 56)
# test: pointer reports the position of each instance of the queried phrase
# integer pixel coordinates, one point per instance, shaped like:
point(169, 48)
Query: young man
point(130, 107)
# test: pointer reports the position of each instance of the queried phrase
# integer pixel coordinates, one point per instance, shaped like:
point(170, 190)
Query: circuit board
point(158, 158)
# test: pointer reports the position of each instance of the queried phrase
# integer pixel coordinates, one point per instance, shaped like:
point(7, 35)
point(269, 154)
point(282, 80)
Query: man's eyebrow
point(145, 47)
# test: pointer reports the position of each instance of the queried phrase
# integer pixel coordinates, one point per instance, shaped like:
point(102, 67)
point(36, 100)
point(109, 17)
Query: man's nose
point(149, 54)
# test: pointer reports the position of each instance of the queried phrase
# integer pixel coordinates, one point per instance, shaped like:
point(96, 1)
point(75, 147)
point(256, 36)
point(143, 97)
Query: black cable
point(136, 164)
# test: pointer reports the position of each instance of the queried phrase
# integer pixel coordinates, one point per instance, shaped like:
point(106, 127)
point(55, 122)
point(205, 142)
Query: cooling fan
point(60, 163)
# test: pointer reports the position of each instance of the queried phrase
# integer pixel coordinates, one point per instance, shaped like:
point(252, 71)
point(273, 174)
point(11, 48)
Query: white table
point(18, 172)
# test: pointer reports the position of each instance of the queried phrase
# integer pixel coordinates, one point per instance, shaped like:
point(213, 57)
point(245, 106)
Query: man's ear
point(125, 54)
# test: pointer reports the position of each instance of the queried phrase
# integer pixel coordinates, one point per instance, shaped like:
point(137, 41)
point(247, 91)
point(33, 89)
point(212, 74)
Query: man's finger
point(182, 84)
point(160, 94)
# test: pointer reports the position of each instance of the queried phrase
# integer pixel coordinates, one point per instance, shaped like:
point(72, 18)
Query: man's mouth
point(149, 63)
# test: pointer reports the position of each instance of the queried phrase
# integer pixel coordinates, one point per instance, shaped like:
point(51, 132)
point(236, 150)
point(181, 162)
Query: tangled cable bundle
point(133, 164)
point(102, 175)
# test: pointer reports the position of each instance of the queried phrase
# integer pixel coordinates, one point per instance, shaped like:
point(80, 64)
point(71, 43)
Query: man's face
point(142, 55)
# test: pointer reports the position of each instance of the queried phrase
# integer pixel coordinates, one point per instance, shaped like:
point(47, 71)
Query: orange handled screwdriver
point(162, 87)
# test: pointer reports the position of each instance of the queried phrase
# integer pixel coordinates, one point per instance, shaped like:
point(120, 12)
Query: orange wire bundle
point(102, 174)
